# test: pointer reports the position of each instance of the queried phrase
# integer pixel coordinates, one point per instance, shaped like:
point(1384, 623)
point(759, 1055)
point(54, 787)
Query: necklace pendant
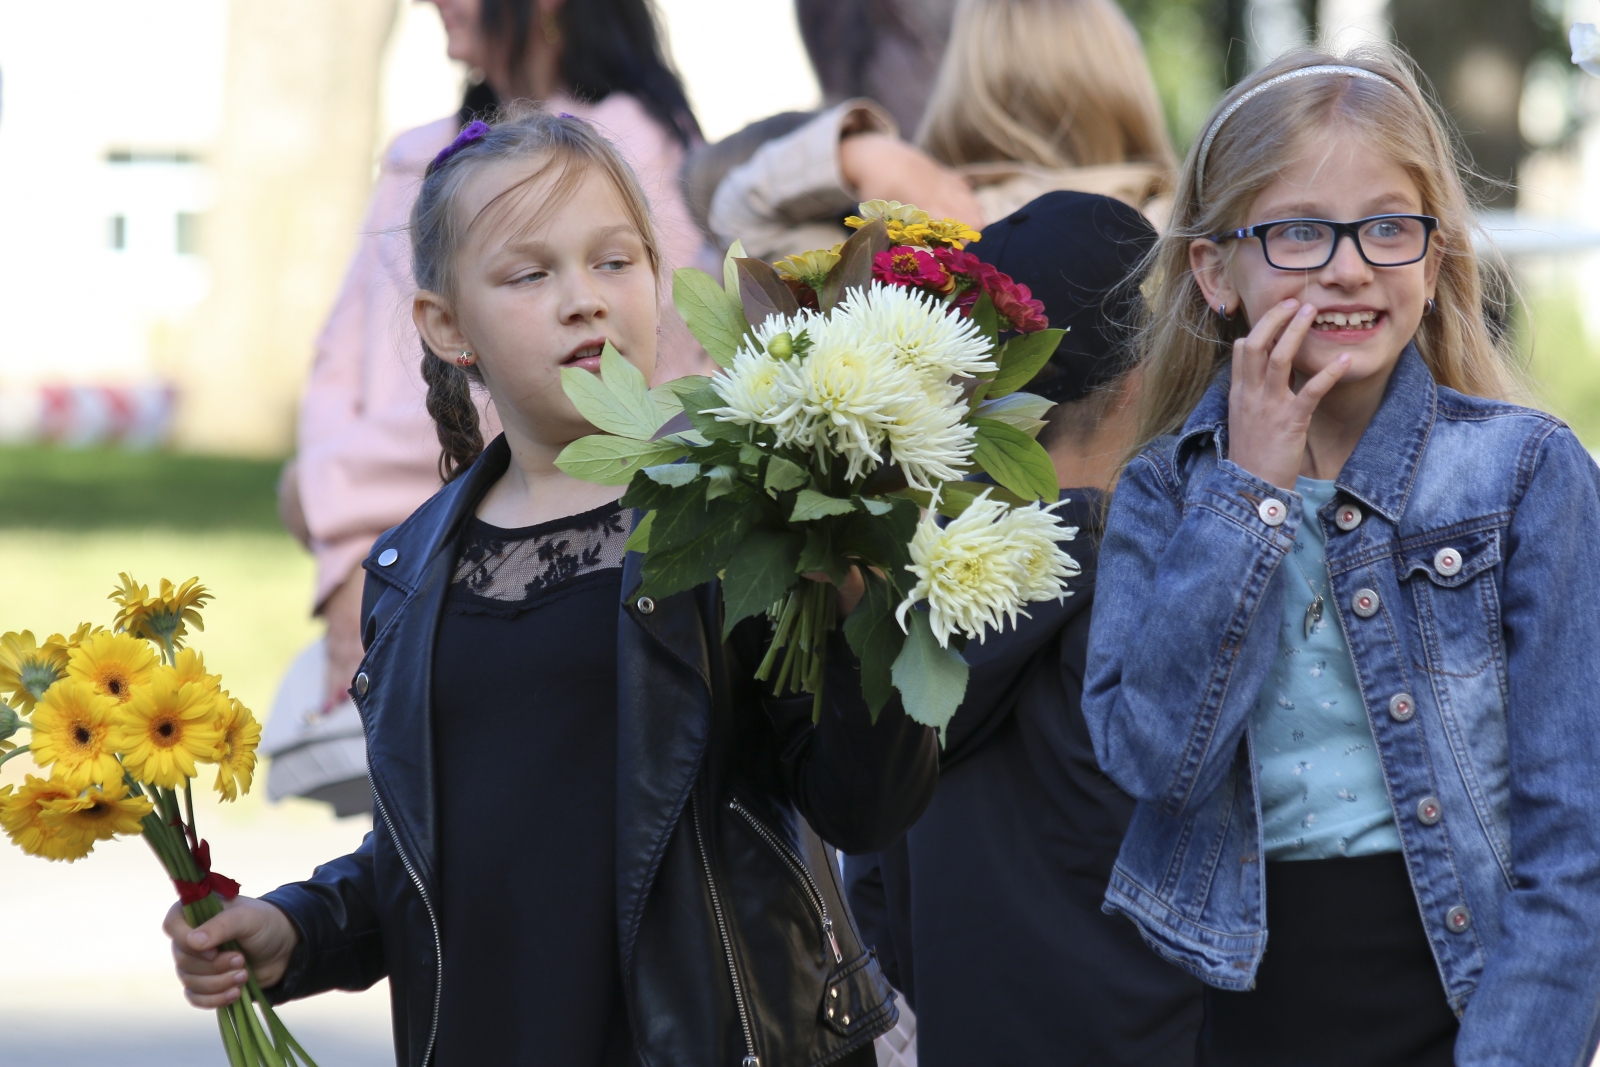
point(1313, 614)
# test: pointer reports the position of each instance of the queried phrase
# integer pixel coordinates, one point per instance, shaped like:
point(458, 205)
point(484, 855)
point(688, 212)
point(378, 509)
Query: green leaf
point(617, 401)
point(666, 401)
point(932, 680)
point(709, 426)
point(760, 571)
point(639, 540)
point(715, 318)
point(673, 474)
point(854, 269)
point(1021, 358)
point(811, 505)
point(987, 319)
point(875, 507)
point(876, 639)
point(721, 480)
point(685, 386)
point(730, 268)
point(607, 460)
point(762, 293)
point(956, 497)
point(881, 541)
point(691, 540)
point(783, 475)
point(1015, 460)
point(819, 555)
point(1025, 411)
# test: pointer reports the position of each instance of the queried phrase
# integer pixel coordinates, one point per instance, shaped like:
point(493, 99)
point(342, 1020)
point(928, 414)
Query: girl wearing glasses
point(1345, 633)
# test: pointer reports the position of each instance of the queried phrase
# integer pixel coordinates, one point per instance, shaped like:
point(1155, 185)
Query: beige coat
point(790, 195)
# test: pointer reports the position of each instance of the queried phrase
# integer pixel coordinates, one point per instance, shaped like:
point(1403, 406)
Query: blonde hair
point(1185, 342)
point(1055, 83)
point(563, 145)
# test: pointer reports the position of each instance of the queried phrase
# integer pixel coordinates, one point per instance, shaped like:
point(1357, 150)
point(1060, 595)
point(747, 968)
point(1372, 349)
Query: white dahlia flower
point(929, 439)
point(759, 388)
point(982, 567)
point(849, 393)
point(1036, 531)
point(917, 328)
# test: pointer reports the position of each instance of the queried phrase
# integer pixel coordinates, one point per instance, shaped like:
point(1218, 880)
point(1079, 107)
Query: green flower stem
point(779, 637)
point(188, 803)
point(230, 1041)
point(19, 750)
point(269, 1054)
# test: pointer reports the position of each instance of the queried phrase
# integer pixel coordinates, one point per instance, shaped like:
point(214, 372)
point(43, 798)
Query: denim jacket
point(1462, 558)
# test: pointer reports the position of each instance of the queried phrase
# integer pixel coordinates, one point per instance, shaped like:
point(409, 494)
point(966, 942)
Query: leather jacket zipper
point(796, 867)
point(750, 1058)
point(438, 945)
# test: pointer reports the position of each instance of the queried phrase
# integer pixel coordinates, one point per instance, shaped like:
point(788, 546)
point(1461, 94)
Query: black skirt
point(1348, 977)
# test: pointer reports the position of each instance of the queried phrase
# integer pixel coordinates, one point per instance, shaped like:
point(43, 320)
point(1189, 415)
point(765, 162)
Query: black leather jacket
point(737, 947)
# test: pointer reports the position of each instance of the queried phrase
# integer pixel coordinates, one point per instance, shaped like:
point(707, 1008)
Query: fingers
point(211, 977)
point(1317, 387)
point(1294, 333)
point(1250, 354)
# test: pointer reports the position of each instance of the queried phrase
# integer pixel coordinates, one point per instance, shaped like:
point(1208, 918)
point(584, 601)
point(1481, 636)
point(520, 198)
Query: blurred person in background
point(1031, 96)
point(367, 455)
point(987, 914)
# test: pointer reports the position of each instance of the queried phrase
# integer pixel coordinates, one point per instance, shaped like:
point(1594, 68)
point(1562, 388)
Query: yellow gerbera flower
point(166, 728)
point(236, 752)
point(191, 667)
point(115, 664)
point(810, 268)
point(164, 619)
point(79, 636)
point(98, 815)
point(72, 729)
point(27, 668)
point(22, 819)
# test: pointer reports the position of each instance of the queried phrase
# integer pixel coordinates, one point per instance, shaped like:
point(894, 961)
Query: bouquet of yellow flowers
point(859, 388)
point(122, 719)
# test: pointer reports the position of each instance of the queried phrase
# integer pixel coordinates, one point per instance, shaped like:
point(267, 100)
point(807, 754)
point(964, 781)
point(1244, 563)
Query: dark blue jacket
point(736, 945)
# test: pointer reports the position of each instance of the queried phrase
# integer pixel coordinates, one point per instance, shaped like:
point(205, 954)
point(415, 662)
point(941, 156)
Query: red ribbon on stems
point(210, 881)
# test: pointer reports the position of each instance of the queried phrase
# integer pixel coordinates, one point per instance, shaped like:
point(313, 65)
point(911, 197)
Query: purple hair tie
point(474, 132)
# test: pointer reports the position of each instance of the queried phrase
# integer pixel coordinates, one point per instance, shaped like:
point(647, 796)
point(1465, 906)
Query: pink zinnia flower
point(911, 266)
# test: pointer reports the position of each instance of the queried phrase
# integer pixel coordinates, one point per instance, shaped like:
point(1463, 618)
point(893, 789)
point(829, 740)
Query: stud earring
point(466, 359)
point(1429, 309)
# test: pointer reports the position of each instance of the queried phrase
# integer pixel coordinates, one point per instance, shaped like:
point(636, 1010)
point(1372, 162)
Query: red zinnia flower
point(911, 266)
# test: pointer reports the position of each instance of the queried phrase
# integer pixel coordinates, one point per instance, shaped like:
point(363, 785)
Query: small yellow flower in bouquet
point(123, 729)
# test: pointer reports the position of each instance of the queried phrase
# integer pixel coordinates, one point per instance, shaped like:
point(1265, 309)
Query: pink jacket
point(367, 451)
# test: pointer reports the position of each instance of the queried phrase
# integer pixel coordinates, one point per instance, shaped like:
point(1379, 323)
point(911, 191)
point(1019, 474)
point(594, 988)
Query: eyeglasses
point(1309, 244)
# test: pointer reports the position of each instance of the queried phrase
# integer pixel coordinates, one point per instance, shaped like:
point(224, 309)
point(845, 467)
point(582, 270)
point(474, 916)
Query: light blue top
point(1322, 791)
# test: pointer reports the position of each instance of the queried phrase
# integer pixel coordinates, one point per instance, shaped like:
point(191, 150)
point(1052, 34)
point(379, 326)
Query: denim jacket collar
point(1383, 468)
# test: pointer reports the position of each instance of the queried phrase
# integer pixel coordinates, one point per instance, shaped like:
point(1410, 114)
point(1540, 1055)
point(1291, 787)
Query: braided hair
point(563, 145)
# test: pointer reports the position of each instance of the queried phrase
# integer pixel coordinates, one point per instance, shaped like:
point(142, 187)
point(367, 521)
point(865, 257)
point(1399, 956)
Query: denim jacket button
point(1272, 512)
point(1365, 603)
point(1447, 561)
point(1347, 518)
point(1428, 811)
point(1401, 707)
point(1457, 919)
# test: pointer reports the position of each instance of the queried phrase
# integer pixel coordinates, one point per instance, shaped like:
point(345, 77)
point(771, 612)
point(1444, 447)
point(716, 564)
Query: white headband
point(1227, 112)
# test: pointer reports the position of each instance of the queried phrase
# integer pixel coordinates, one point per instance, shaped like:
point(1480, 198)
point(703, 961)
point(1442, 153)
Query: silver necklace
point(1313, 609)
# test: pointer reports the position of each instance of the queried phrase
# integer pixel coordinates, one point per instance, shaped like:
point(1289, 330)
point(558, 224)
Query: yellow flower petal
point(72, 730)
point(166, 729)
point(115, 664)
point(22, 819)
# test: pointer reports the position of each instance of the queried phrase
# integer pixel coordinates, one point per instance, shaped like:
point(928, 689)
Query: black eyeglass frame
point(1340, 231)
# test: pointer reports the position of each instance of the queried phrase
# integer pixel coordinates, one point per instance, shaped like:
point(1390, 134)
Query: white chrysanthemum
point(759, 388)
point(930, 439)
point(968, 571)
point(1037, 532)
point(850, 394)
point(917, 328)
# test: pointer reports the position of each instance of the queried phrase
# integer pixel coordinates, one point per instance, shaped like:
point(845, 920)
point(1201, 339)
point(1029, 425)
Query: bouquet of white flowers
point(858, 385)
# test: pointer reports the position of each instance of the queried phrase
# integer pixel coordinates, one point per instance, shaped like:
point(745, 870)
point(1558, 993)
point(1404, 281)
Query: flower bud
point(781, 346)
point(10, 721)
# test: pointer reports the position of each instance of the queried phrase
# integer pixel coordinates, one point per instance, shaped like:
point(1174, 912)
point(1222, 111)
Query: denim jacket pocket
point(1453, 580)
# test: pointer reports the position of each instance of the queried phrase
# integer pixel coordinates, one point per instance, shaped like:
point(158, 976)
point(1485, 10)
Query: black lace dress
point(525, 731)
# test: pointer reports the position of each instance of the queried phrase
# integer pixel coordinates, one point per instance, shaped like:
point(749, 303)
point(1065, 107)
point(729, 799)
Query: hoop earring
point(550, 29)
point(466, 359)
point(1222, 312)
point(1429, 309)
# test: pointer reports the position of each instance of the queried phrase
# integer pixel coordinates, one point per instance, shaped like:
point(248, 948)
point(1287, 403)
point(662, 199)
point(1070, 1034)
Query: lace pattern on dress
point(518, 567)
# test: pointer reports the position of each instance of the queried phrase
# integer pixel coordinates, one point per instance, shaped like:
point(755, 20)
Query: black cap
point(1078, 252)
